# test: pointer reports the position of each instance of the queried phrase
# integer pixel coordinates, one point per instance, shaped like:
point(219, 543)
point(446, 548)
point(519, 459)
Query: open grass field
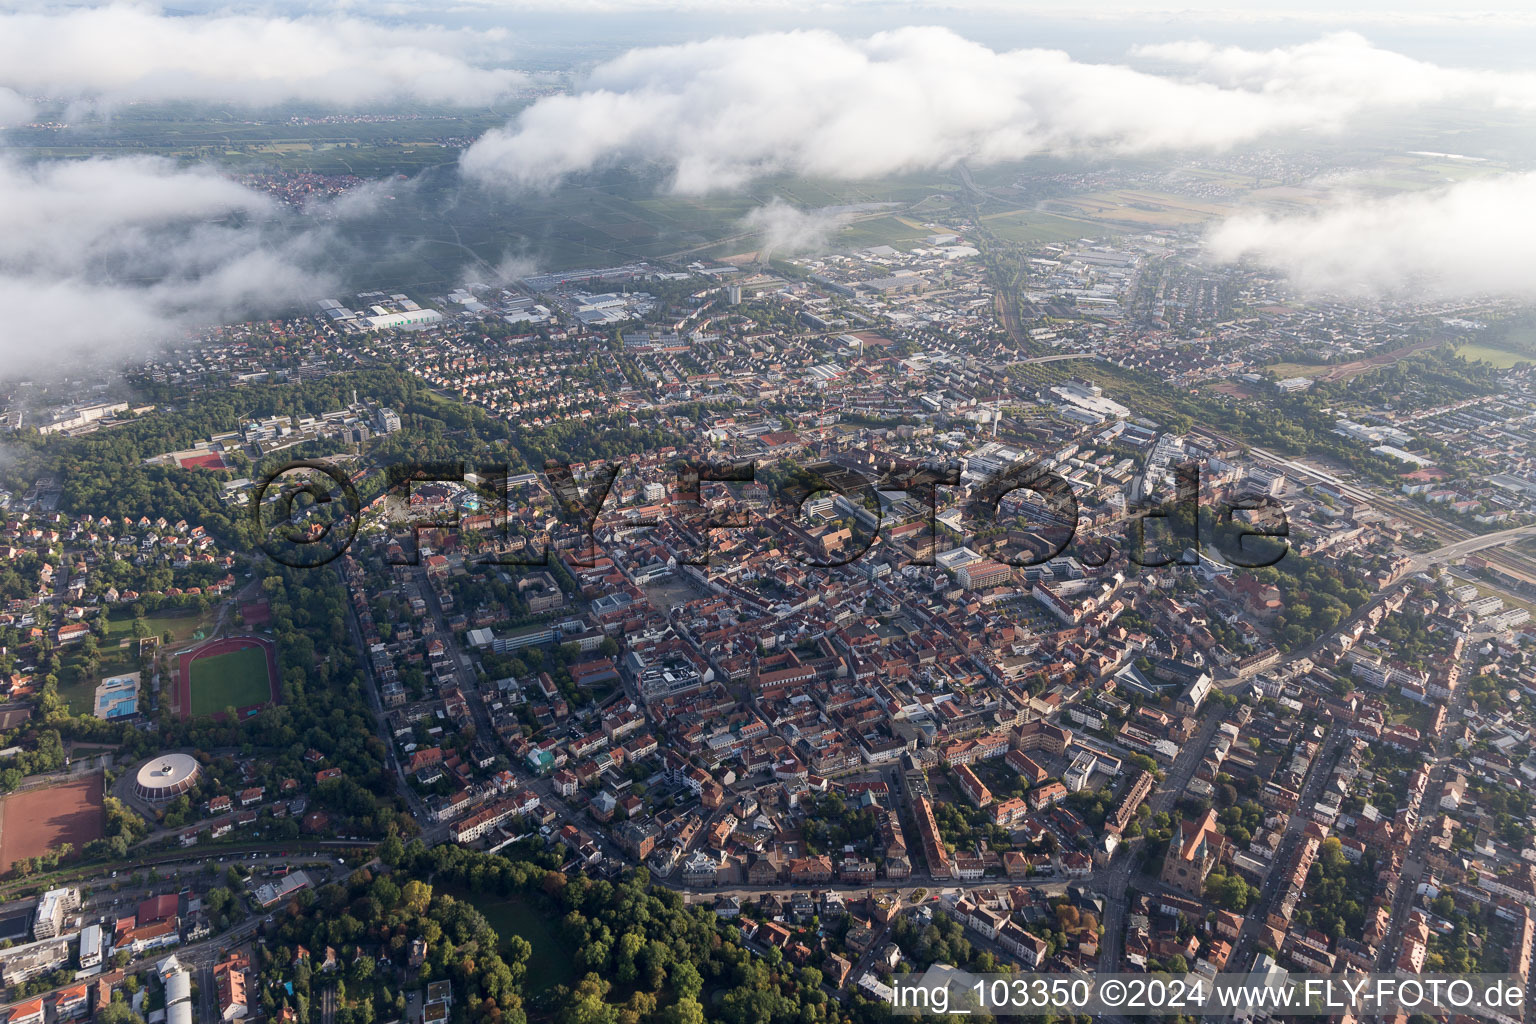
point(34, 821)
point(1139, 208)
point(1284, 370)
point(1501, 358)
point(180, 622)
point(1028, 226)
point(238, 672)
point(78, 688)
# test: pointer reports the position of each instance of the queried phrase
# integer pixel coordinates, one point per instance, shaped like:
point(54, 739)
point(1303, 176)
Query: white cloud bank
point(14, 108)
point(101, 259)
point(725, 111)
point(1346, 72)
point(120, 54)
point(786, 229)
point(1469, 239)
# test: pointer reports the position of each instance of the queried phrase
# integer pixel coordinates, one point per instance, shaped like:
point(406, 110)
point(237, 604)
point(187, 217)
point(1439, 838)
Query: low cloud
point(787, 229)
point(102, 259)
point(1343, 73)
point(14, 109)
point(722, 112)
point(1469, 239)
point(511, 268)
point(361, 201)
point(119, 54)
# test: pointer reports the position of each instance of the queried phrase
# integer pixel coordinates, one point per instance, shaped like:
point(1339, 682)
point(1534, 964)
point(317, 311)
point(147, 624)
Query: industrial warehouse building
point(410, 318)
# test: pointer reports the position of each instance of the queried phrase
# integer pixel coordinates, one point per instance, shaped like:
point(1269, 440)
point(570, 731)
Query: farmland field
point(892, 231)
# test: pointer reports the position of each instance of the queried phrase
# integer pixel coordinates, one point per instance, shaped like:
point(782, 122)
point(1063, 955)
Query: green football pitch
point(237, 679)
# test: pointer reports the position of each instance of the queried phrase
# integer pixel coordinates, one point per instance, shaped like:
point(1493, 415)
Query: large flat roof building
point(90, 947)
point(51, 908)
point(410, 319)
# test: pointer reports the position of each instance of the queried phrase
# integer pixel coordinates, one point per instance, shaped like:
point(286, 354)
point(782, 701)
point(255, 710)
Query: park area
point(237, 673)
point(182, 623)
point(1499, 358)
point(119, 652)
point(551, 962)
point(36, 821)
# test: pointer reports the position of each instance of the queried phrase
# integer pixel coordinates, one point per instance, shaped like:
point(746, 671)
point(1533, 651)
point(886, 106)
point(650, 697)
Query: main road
point(1471, 545)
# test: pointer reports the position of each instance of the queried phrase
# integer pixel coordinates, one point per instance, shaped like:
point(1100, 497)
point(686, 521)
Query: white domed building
point(165, 777)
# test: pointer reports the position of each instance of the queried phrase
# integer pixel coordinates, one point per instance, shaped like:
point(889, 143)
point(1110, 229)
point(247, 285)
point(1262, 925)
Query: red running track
point(223, 645)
